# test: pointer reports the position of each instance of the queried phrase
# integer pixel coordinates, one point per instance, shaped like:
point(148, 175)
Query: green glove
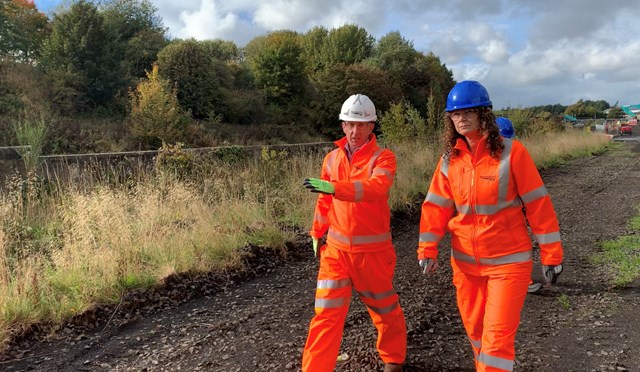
point(315, 247)
point(317, 185)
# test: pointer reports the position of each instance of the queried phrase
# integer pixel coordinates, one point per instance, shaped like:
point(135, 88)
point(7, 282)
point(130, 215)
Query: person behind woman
point(505, 127)
point(476, 194)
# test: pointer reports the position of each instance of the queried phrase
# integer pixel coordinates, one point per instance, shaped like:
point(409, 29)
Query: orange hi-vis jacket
point(479, 199)
point(357, 215)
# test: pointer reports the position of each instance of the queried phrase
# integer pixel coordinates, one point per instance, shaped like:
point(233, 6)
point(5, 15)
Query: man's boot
point(392, 367)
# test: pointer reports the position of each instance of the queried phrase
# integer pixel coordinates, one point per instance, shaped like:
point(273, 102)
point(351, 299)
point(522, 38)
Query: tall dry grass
point(69, 245)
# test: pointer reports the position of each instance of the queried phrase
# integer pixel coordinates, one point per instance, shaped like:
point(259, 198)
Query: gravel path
point(257, 321)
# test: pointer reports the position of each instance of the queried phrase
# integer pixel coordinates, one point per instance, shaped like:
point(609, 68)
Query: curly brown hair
point(487, 127)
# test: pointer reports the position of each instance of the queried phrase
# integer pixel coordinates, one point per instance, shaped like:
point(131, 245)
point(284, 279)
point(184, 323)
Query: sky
point(526, 53)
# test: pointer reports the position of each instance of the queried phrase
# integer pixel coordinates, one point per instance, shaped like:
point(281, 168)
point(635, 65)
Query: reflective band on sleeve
point(548, 238)
point(359, 190)
point(333, 284)
point(462, 256)
point(386, 172)
point(321, 219)
point(463, 209)
point(383, 310)
point(496, 362)
point(510, 258)
point(429, 237)
point(360, 239)
point(331, 303)
point(439, 200)
point(535, 194)
point(377, 296)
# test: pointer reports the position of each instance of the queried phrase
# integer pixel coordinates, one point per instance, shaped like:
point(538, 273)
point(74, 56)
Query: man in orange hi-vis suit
point(476, 194)
point(353, 211)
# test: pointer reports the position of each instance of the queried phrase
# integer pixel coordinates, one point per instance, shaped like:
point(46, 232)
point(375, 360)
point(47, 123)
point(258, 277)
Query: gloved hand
point(318, 185)
point(316, 252)
point(551, 273)
point(428, 265)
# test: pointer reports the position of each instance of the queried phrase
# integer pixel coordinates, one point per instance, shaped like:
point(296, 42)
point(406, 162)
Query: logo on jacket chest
point(488, 178)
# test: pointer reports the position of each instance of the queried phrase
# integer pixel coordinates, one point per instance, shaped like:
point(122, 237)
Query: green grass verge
point(622, 255)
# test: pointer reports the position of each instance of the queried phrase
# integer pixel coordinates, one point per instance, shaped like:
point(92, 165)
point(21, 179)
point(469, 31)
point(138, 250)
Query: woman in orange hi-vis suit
point(476, 194)
point(352, 210)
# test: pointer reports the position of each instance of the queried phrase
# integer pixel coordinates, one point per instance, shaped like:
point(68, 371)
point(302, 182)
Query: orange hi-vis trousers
point(490, 299)
point(371, 275)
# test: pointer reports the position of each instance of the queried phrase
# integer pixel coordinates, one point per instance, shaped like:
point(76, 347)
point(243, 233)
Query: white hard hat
point(358, 107)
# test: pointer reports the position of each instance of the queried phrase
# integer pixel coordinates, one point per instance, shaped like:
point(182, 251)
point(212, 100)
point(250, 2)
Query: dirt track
point(258, 321)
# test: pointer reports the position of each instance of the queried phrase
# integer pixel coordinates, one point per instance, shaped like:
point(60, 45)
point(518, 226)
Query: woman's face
point(466, 122)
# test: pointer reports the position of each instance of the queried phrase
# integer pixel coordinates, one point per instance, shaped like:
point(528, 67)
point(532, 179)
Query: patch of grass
point(622, 255)
point(563, 300)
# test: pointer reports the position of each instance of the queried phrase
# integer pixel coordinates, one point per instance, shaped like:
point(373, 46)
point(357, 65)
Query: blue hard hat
point(506, 127)
point(467, 94)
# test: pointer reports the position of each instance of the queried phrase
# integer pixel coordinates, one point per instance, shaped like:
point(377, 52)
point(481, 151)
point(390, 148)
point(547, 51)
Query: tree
point(276, 62)
point(348, 44)
point(393, 54)
point(616, 113)
point(22, 30)
point(81, 54)
point(222, 50)
point(401, 123)
point(425, 78)
point(312, 43)
point(188, 66)
point(156, 116)
point(137, 31)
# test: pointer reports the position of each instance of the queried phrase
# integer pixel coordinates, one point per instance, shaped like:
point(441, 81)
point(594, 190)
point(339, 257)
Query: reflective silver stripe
point(429, 237)
point(504, 170)
point(463, 209)
point(383, 310)
point(359, 239)
point(548, 238)
point(331, 303)
point(386, 172)
point(373, 159)
point(476, 343)
point(377, 296)
point(359, 190)
point(492, 209)
point(463, 256)
point(510, 258)
point(330, 161)
point(494, 261)
point(496, 362)
point(321, 219)
point(439, 200)
point(535, 194)
point(333, 284)
point(444, 167)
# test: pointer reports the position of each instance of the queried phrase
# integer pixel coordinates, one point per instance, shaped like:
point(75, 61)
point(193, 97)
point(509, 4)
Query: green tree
point(348, 44)
point(188, 66)
point(82, 56)
point(22, 30)
point(222, 50)
point(156, 116)
point(276, 62)
point(312, 43)
point(616, 113)
point(425, 78)
point(401, 123)
point(393, 54)
point(137, 32)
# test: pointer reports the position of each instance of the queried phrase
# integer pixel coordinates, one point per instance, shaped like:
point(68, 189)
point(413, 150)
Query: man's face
point(357, 132)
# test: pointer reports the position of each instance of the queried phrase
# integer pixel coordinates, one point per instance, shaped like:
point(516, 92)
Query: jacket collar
point(369, 146)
